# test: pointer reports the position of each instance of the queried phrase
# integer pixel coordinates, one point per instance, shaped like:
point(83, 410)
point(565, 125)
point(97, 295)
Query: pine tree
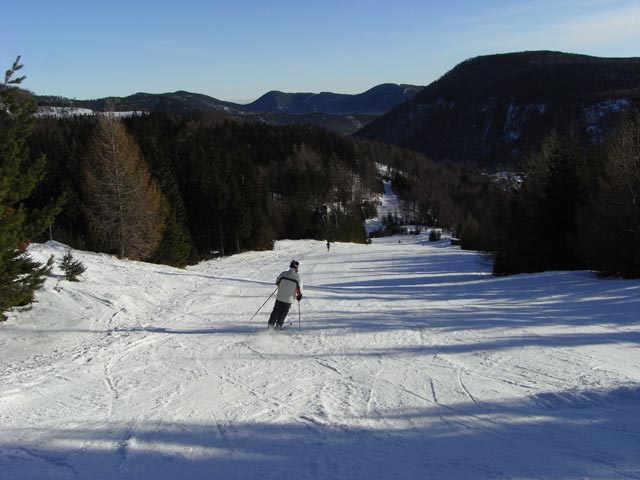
point(611, 233)
point(71, 267)
point(543, 217)
point(126, 209)
point(20, 275)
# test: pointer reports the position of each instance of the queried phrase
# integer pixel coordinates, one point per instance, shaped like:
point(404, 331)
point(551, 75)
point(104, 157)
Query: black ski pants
point(279, 313)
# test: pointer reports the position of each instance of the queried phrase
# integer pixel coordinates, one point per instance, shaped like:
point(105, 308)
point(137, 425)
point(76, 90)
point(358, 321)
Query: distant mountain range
point(376, 101)
point(491, 109)
point(486, 111)
point(342, 113)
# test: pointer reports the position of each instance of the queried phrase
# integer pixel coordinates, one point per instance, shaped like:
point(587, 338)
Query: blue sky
point(237, 50)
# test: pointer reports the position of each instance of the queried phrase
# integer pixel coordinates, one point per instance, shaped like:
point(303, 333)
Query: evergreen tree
point(542, 230)
point(64, 141)
point(156, 134)
point(611, 225)
point(71, 267)
point(20, 275)
point(175, 247)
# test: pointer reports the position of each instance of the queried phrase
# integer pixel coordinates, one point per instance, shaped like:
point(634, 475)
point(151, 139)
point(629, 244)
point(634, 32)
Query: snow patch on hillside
point(599, 110)
point(518, 116)
point(65, 112)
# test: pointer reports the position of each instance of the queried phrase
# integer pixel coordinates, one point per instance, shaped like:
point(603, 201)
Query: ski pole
point(298, 315)
point(265, 302)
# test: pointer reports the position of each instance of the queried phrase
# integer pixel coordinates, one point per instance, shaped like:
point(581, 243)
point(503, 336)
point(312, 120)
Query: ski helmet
point(294, 264)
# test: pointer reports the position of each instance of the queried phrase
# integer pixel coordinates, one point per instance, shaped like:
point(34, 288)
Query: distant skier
point(289, 289)
point(328, 245)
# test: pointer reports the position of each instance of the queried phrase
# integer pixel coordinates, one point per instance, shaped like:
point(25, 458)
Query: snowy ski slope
point(411, 362)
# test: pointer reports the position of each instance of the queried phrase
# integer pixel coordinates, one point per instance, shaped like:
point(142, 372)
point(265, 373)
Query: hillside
point(340, 124)
point(406, 359)
point(376, 101)
point(492, 109)
point(180, 102)
point(341, 113)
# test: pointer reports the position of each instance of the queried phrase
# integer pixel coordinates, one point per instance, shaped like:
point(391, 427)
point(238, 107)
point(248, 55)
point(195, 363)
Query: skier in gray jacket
point(289, 289)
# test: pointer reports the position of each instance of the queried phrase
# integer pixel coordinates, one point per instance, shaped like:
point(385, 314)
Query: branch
point(8, 75)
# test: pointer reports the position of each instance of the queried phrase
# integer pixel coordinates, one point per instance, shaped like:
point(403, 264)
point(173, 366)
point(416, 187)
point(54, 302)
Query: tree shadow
point(561, 435)
point(455, 294)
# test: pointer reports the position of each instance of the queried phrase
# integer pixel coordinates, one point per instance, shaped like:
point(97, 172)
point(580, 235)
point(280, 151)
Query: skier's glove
point(299, 297)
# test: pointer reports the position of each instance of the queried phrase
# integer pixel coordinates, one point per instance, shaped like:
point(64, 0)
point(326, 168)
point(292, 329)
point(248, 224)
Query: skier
point(289, 288)
point(328, 245)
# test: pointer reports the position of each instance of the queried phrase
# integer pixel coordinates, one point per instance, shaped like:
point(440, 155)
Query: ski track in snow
point(412, 361)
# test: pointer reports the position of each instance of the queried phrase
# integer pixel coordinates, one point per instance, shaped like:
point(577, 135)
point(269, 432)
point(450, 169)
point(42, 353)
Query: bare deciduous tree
point(125, 206)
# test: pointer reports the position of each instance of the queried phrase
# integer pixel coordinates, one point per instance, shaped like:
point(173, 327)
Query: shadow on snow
point(567, 435)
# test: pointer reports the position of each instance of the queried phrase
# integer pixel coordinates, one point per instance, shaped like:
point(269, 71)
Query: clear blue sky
point(237, 50)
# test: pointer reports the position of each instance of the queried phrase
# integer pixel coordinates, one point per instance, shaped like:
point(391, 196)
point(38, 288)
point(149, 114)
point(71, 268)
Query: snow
point(404, 361)
point(65, 112)
point(61, 112)
point(595, 112)
point(387, 203)
point(517, 116)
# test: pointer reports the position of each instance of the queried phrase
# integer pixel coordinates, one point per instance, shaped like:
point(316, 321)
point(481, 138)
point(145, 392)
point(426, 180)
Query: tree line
point(176, 189)
point(192, 186)
point(573, 204)
point(578, 206)
point(223, 187)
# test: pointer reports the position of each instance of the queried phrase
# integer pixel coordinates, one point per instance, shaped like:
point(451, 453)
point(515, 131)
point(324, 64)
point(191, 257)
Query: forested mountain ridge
point(180, 102)
point(341, 113)
point(376, 101)
point(491, 110)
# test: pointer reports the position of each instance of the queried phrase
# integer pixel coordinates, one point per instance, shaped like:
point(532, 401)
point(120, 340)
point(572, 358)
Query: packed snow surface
point(404, 360)
point(389, 203)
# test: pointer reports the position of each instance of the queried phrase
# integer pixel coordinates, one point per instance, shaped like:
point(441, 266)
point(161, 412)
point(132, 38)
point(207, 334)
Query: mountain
point(376, 101)
point(491, 109)
point(179, 102)
point(341, 113)
point(341, 124)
